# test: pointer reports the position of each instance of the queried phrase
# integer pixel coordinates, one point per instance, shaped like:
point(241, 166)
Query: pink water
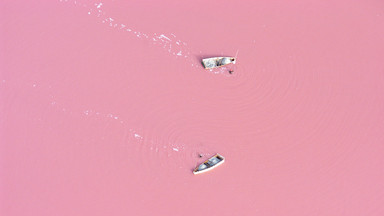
point(104, 107)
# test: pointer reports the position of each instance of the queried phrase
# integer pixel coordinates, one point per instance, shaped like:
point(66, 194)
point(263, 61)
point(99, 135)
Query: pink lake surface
point(105, 107)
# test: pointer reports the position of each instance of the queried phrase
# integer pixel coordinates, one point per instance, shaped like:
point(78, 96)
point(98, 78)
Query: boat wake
point(168, 42)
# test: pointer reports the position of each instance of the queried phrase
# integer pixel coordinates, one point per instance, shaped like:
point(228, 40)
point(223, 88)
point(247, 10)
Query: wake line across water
point(170, 43)
point(110, 127)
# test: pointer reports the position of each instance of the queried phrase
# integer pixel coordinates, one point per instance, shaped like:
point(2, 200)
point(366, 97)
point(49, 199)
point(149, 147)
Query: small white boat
point(210, 63)
point(209, 164)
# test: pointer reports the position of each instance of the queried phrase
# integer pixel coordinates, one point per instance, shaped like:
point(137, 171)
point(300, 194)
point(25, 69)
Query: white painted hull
point(215, 62)
point(199, 171)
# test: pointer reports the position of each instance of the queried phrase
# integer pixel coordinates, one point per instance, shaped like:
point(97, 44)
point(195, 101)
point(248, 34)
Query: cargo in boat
point(215, 62)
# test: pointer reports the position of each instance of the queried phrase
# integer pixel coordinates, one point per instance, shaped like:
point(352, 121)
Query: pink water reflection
point(105, 107)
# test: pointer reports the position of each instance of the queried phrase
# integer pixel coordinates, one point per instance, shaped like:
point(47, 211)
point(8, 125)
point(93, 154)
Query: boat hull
point(215, 62)
point(209, 164)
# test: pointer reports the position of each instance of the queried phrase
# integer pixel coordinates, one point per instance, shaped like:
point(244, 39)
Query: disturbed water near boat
point(106, 108)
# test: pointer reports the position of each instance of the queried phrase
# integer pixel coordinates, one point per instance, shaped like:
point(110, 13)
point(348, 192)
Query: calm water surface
point(105, 107)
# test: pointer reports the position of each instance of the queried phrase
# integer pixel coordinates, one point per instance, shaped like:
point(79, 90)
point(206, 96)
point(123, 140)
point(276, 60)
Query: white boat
point(209, 164)
point(215, 62)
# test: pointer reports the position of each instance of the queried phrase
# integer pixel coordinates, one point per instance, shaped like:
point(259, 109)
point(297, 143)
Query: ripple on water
point(273, 94)
point(171, 138)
